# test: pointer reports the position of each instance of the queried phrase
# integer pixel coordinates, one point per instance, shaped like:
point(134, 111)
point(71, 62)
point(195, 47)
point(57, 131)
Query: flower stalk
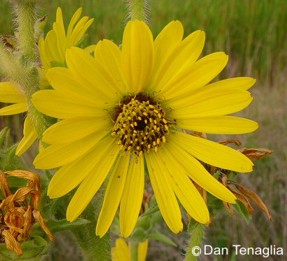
point(138, 9)
point(20, 66)
point(25, 17)
point(134, 251)
point(197, 233)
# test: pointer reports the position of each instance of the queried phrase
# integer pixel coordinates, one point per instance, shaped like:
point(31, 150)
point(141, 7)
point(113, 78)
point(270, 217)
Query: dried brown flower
point(20, 210)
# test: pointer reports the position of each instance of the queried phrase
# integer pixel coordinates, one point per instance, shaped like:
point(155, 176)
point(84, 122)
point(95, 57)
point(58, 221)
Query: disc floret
point(140, 124)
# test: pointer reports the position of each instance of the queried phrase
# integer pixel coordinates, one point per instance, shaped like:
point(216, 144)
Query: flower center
point(140, 124)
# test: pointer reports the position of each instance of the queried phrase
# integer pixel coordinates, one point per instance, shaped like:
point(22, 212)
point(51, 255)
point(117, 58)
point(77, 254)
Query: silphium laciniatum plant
point(125, 126)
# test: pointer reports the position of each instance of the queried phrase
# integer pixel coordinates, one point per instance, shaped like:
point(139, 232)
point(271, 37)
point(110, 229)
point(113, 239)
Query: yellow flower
point(122, 252)
point(126, 110)
point(52, 52)
point(10, 93)
point(52, 49)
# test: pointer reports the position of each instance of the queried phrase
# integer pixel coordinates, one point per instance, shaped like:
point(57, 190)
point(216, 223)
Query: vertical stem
point(138, 9)
point(22, 70)
point(25, 17)
point(195, 242)
point(134, 251)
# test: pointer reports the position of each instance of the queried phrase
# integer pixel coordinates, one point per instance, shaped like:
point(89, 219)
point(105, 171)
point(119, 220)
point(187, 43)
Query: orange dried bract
point(230, 141)
point(256, 153)
point(244, 195)
point(19, 211)
point(255, 198)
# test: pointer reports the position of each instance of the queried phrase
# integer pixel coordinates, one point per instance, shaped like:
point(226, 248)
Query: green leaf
point(139, 234)
point(241, 209)
point(16, 182)
point(32, 250)
point(3, 135)
point(60, 225)
point(161, 238)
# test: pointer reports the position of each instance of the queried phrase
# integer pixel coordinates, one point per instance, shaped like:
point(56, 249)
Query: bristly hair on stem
point(138, 9)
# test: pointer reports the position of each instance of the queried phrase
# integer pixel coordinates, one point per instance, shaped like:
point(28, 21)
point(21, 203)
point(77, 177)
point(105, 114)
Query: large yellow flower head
point(52, 52)
point(134, 108)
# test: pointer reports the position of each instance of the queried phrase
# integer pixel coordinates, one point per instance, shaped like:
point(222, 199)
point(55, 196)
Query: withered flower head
point(20, 210)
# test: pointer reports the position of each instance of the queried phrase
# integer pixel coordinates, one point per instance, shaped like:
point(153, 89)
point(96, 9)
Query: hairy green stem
point(25, 18)
point(197, 233)
point(22, 70)
point(138, 9)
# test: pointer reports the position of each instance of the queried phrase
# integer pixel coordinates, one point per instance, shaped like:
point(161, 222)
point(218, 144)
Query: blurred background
point(254, 35)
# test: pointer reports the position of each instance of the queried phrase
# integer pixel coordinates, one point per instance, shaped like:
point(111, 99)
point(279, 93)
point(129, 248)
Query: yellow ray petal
point(71, 130)
point(242, 83)
point(13, 109)
point(218, 125)
point(196, 76)
point(165, 43)
point(74, 173)
point(91, 184)
point(113, 195)
point(121, 251)
point(164, 193)
point(130, 206)
point(109, 55)
point(142, 250)
point(52, 52)
point(213, 153)
point(79, 31)
point(184, 189)
point(180, 60)
point(59, 29)
point(61, 154)
point(42, 53)
point(9, 93)
point(58, 105)
point(212, 103)
point(74, 20)
point(137, 54)
point(64, 82)
point(184, 162)
point(89, 72)
point(30, 135)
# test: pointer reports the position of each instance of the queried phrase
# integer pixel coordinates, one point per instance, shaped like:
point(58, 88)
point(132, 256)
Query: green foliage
point(8, 159)
point(32, 250)
point(241, 209)
point(60, 225)
point(161, 238)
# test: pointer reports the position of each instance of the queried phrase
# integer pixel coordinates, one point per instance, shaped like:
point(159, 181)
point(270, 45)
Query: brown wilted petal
point(230, 141)
point(37, 215)
point(4, 185)
point(256, 153)
point(244, 201)
point(19, 211)
point(228, 208)
point(255, 198)
point(12, 243)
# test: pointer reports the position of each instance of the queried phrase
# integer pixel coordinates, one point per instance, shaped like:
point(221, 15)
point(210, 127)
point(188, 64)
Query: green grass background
point(254, 35)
